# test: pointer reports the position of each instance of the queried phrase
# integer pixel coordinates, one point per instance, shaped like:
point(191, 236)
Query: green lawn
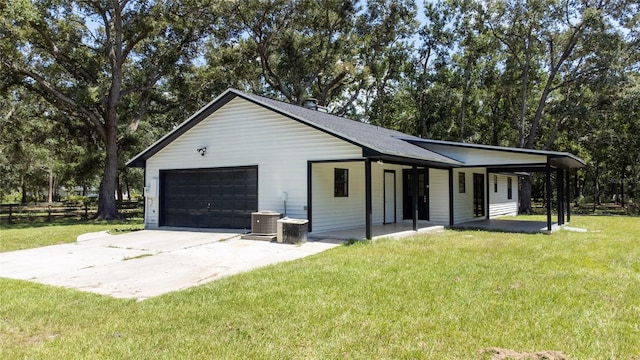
point(441, 296)
point(36, 234)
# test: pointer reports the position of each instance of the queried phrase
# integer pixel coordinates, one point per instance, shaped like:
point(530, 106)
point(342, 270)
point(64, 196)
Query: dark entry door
point(423, 194)
point(478, 195)
point(209, 198)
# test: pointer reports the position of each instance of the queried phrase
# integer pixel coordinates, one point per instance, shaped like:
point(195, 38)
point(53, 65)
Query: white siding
point(377, 191)
point(240, 134)
point(439, 196)
point(331, 213)
point(463, 202)
point(499, 204)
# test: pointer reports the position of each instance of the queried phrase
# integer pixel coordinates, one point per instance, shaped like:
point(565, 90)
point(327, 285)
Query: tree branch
point(60, 96)
point(63, 59)
point(7, 116)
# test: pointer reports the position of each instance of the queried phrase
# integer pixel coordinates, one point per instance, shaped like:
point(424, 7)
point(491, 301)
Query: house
point(242, 153)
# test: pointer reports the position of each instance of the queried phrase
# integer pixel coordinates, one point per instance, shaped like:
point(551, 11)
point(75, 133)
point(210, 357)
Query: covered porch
point(561, 168)
point(391, 204)
point(503, 160)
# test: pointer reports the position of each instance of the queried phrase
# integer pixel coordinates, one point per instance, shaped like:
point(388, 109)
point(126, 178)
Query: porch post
point(414, 194)
point(560, 195)
point(451, 197)
point(549, 192)
point(568, 190)
point(368, 201)
point(309, 196)
point(487, 190)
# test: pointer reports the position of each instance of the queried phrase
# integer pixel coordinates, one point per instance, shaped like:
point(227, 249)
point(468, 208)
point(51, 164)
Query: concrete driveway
point(148, 263)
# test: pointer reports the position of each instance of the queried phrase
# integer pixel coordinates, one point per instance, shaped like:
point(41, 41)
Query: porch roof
point(535, 159)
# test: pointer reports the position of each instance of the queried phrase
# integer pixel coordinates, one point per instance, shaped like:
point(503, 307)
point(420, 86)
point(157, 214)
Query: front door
point(389, 196)
point(478, 195)
point(423, 194)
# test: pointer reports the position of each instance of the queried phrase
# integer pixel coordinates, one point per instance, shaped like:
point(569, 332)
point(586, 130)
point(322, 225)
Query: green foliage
point(102, 64)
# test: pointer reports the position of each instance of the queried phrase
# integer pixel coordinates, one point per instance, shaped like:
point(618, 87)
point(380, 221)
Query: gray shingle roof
point(382, 140)
point(378, 141)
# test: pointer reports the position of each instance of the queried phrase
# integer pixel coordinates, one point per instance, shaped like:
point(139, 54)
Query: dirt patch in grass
point(506, 354)
point(22, 337)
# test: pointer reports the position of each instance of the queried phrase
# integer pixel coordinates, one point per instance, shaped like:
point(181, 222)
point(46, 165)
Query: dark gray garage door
point(209, 198)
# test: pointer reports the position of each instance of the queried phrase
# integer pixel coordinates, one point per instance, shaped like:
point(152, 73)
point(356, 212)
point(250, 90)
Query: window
point(341, 183)
point(509, 188)
point(495, 183)
point(462, 183)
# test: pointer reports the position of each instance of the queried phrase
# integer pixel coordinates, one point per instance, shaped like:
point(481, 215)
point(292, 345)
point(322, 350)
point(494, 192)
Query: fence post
point(10, 213)
point(86, 211)
point(49, 213)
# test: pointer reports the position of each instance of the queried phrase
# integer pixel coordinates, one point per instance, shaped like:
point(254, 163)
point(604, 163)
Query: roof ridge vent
point(312, 104)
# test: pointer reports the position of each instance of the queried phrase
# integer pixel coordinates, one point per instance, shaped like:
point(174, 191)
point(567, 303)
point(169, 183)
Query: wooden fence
point(20, 213)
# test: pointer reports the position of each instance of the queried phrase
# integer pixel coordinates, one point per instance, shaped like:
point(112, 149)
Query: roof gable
point(374, 140)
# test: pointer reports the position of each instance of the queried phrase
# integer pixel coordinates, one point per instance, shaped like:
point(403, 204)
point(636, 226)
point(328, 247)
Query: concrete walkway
point(148, 263)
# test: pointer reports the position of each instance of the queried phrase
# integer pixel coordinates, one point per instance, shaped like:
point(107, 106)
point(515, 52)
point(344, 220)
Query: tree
point(385, 29)
point(551, 44)
point(330, 50)
point(28, 155)
point(428, 76)
point(93, 60)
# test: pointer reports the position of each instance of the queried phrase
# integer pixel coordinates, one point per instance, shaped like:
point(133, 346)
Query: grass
point(37, 234)
point(441, 296)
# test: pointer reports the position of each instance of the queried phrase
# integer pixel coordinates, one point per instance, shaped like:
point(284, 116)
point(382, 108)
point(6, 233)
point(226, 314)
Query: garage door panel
point(213, 198)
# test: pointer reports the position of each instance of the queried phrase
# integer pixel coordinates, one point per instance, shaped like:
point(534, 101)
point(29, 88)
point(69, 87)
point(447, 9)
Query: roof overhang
point(561, 160)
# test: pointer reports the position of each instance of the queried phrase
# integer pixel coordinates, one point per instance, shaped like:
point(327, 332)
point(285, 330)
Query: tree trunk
point(596, 190)
point(525, 196)
point(119, 189)
point(107, 209)
point(125, 178)
point(50, 195)
point(23, 185)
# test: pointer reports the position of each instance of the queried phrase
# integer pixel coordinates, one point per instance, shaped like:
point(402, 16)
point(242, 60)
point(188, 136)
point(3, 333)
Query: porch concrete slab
point(394, 230)
point(512, 225)
point(148, 263)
